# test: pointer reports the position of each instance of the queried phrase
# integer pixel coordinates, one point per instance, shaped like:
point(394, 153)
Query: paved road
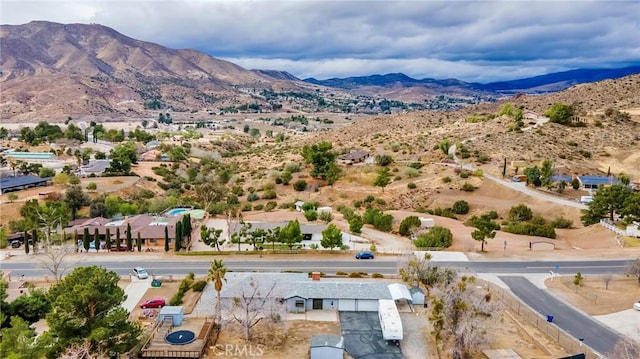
point(577, 324)
point(384, 265)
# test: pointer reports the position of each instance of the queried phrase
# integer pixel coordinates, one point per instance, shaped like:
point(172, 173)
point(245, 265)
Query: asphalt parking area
point(363, 337)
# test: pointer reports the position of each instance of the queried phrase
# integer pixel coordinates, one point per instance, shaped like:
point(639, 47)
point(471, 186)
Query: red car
point(153, 303)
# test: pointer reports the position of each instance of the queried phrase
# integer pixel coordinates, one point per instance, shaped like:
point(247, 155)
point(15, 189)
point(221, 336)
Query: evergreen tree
point(166, 238)
point(129, 239)
point(86, 240)
point(139, 242)
point(107, 239)
point(96, 240)
point(178, 244)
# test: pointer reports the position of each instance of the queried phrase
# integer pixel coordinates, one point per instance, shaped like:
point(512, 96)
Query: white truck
point(390, 321)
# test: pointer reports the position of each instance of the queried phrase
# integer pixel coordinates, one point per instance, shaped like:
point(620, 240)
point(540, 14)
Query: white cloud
point(469, 40)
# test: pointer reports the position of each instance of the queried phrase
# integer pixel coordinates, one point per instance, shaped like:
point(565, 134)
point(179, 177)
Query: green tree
point(166, 238)
point(178, 243)
point(46, 172)
point(460, 207)
point(216, 274)
point(129, 238)
point(383, 179)
point(408, 224)
point(19, 341)
point(75, 199)
point(107, 239)
point(546, 173)
point(118, 239)
point(437, 236)
point(320, 156)
point(86, 307)
point(355, 224)
point(286, 177)
point(331, 237)
point(96, 239)
point(86, 239)
point(384, 160)
point(291, 235)
point(485, 228)
point(607, 202)
point(520, 213)
point(139, 242)
point(211, 237)
point(533, 175)
point(12, 197)
point(560, 113)
point(333, 174)
point(575, 183)
point(32, 306)
point(300, 185)
point(122, 156)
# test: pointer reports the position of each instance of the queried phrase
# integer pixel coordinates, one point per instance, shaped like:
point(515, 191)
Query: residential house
point(353, 157)
point(595, 182)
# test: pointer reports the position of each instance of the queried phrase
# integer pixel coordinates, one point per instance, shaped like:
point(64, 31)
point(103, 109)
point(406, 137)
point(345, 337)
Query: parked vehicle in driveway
point(365, 255)
point(141, 272)
point(153, 303)
point(636, 305)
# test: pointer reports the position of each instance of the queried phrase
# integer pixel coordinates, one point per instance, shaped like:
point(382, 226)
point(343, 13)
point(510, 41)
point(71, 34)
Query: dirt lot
point(593, 297)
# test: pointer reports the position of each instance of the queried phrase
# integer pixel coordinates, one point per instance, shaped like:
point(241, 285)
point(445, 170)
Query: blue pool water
point(176, 211)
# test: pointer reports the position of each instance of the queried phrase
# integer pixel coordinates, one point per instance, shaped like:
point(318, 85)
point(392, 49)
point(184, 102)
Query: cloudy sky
point(469, 40)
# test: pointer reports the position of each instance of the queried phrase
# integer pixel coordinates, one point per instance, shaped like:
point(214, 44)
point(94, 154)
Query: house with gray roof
point(299, 293)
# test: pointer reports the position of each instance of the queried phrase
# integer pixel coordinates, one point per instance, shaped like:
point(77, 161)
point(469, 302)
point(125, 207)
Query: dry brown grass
point(593, 297)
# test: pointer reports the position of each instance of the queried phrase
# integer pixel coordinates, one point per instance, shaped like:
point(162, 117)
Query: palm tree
point(216, 274)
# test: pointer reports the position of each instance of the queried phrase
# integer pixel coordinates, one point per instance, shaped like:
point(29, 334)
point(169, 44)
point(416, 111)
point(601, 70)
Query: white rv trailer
point(390, 320)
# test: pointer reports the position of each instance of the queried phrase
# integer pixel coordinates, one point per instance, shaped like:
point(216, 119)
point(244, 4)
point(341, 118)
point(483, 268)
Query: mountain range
point(51, 70)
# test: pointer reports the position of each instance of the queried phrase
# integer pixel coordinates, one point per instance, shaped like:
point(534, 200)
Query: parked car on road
point(153, 303)
point(636, 305)
point(141, 272)
point(364, 255)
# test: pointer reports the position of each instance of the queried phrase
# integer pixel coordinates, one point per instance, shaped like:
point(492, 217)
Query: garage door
point(347, 305)
point(367, 305)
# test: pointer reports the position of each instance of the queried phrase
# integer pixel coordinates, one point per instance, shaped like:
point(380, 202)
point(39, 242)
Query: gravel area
point(416, 327)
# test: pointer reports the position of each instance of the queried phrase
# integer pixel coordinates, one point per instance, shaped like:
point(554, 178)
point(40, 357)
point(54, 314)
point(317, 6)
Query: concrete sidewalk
point(134, 292)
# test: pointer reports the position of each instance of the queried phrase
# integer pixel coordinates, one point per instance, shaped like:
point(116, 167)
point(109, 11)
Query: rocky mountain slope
point(49, 69)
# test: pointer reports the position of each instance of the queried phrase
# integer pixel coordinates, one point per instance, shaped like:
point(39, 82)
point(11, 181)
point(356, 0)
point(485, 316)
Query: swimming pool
point(176, 211)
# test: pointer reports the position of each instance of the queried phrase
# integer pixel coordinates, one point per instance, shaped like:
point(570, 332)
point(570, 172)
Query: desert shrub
point(460, 207)
point(269, 194)
point(446, 179)
point(397, 178)
point(467, 187)
point(355, 275)
point(270, 206)
point(311, 215)
point(520, 213)
point(529, 229)
point(253, 196)
point(437, 237)
point(347, 212)
point(379, 220)
point(176, 299)
point(199, 286)
point(492, 215)
point(246, 207)
point(325, 216)
point(442, 212)
point(258, 207)
point(561, 222)
point(407, 224)
point(310, 205)
point(537, 220)
point(369, 199)
point(357, 203)
point(300, 185)
point(377, 275)
point(411, 185)
point(341, 273)
point(416, 165)
point(292, 167)
point(355, 224)
point(411, 172)
point(237, 190)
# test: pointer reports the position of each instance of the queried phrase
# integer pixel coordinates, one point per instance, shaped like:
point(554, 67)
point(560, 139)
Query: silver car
point(141, 272)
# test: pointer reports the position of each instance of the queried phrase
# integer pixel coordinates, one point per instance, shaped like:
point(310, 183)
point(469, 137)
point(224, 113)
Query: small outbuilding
point(417, 295)
point(299, 205)
point(176, 313)
point(326, 346)
point(427, 222)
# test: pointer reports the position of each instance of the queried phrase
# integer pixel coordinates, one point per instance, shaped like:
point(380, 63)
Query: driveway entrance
point(363, 337)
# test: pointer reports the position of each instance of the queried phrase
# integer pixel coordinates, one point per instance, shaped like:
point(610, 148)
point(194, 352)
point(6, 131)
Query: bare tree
point(606, 279)
point(233, 218)
point(633, 269)
point(256, 302)
point(461, 314)
point(54, 261)
point(81, 351)
point(416, 271)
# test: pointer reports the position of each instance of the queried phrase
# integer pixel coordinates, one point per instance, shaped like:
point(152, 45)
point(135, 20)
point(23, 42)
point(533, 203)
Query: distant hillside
point(383, 84)
point(94, 70)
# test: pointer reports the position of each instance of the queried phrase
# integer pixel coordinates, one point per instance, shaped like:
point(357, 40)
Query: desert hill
point(56, 70)
point(603, 143)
